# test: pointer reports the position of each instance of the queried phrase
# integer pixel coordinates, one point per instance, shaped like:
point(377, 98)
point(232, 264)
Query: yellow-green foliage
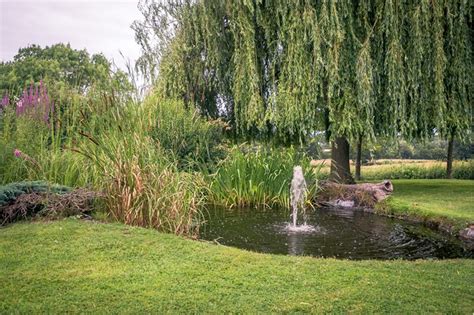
point(288, 68)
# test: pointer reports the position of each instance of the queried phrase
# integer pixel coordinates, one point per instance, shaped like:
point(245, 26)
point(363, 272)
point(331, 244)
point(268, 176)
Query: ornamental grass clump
point(141, 185)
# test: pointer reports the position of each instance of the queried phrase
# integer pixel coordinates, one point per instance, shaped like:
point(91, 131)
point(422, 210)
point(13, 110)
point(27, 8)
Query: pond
point(334, 233)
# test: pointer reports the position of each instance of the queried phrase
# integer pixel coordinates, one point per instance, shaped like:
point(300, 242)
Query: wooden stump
point(364, 195)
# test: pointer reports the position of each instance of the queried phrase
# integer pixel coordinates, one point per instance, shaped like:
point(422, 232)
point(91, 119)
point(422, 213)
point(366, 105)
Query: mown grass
point(448, 202)
point(88, 267)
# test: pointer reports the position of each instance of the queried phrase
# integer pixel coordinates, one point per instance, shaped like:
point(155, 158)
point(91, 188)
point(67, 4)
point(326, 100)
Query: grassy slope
point(445, 201)
point(75, 266)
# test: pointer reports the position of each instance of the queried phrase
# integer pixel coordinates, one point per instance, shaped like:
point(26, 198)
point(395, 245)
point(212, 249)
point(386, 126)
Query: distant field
point(405, 169)
point(387, 162)
point(400, 161)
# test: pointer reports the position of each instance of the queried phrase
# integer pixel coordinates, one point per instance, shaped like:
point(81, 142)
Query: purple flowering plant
point(20, 155)
point(4, 102)
point(35, 101)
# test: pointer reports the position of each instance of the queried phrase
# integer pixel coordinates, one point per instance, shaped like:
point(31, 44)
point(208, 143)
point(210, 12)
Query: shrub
point(9, 193)
point(464, 170)
point(192, 140)
point(39, 199)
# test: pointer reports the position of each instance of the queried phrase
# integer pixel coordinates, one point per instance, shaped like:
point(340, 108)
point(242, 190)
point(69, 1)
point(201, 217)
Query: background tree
point(458, 79)
point(284, 69)
point(58, 64)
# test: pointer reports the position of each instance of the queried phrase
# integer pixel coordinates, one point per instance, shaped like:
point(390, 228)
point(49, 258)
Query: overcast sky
point(97, 25)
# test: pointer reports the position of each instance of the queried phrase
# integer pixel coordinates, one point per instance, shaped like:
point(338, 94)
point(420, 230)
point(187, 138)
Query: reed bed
point(258, 177)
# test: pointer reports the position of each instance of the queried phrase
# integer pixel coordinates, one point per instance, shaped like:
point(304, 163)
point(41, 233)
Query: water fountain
point(298, 192)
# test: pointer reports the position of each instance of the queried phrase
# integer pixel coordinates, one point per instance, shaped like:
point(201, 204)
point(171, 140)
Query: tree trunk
point(358, 158)
point(340, 168)
point(449, 163)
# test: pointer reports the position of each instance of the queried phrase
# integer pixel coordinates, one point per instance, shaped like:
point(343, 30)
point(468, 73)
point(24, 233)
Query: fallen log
point(364, 195)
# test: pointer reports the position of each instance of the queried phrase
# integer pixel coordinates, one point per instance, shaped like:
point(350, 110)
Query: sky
point(96, 25)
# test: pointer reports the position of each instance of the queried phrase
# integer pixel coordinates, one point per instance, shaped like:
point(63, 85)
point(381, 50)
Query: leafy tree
point(58, 64)
point(365, 68)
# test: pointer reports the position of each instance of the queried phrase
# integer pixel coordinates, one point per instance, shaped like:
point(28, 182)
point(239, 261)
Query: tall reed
point(142, 186)
point(259, 176)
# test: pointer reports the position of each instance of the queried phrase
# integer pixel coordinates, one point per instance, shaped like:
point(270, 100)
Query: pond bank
point(447, 205)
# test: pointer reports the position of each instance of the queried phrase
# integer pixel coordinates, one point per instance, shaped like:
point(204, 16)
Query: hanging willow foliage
point(290, 68)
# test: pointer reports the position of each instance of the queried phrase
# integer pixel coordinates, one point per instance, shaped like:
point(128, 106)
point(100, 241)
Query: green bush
point(192, 140)
point(464, 170)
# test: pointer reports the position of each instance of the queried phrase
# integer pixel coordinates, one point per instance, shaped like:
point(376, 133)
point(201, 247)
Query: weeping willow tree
point(287, 69)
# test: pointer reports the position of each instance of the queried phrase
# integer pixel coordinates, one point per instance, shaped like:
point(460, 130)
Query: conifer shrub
point(9, 193)
point(25, 200)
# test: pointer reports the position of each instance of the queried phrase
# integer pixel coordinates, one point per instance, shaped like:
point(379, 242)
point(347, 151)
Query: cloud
point(98, 26)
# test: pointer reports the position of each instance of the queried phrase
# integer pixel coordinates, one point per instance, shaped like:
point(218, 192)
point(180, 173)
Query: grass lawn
point(87, 267)
point(445, 201)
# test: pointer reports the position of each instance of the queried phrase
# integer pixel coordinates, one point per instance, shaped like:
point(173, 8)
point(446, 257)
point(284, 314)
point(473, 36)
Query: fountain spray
point(298, 194)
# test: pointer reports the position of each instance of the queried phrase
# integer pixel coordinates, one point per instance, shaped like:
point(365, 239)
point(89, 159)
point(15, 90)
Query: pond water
point(332, 233)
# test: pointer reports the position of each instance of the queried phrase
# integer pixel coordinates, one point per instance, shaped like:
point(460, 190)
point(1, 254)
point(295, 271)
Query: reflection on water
point(329, 233)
